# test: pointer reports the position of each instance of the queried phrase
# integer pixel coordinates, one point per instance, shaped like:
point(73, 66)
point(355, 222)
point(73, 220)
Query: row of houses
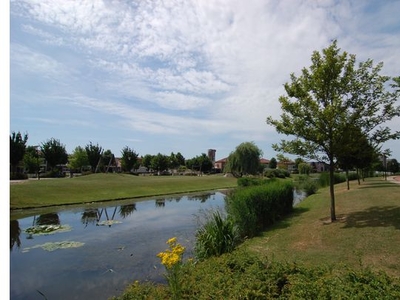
point(287, 165)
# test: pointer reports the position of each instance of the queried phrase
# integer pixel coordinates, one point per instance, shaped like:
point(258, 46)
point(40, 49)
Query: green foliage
point(94, 153)
point(329, 96)
point(272, 163)
point(249, 181)
point(54, 153)
point(255, 207)
point(278, 173)
point(17, 148)
point(201, 163)
point(308, 185)
point(216, 235)
point(304, 168)
point(242, 275)
point(324, 179)
point(78, 159)
point(245, 160)
point(128, 159)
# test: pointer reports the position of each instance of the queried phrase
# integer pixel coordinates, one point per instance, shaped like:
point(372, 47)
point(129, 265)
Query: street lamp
point(37, 161)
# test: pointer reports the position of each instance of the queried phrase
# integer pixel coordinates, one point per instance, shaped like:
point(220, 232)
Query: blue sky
point(177, 76)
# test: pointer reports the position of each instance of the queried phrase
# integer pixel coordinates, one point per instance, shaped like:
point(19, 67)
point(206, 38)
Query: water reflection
point(15, 232)
point(48, 262)
point(128, 249)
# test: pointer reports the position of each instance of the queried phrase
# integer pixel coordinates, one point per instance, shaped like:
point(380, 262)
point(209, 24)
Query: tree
point(107, 160)
point(325, 98)
point(17, 149)
point(393, 166)
point(32, 159)
point(159, 163)
point(54, 153)
point(94, 153)
point(272, 163)
point(146, 161)
point(304, 168)
point(129, 159)
point(245, 160)
point(200, 163)
point(78, 159)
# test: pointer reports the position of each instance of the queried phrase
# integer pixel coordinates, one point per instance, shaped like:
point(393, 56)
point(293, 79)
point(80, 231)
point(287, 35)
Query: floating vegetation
point(56, 245)
point(108, 223)
point(47, 229)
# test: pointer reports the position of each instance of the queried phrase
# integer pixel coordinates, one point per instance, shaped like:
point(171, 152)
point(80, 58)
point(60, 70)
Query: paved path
point(395, 179)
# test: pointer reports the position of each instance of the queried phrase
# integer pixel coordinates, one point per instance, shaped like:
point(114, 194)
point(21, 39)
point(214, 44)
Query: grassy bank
point(103, 187)
point(367, 232)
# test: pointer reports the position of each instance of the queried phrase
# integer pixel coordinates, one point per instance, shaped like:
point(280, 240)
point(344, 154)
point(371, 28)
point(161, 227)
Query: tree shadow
point(380, 184)
point(286, 221)
point(377, 216)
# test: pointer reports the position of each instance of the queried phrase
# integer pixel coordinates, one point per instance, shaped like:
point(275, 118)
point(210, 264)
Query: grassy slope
point(366, 233)
point(101, 187)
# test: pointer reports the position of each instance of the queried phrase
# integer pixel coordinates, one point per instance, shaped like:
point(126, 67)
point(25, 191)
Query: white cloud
point(210, 67)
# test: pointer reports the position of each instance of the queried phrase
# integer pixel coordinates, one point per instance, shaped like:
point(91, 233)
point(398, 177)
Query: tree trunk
point(347, 179)
point(332, 189)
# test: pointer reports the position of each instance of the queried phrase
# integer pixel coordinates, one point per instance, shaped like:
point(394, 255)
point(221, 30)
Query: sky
point(177, 76)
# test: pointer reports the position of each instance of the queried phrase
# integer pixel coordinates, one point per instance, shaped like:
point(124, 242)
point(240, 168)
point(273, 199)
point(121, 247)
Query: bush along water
point(254, 207)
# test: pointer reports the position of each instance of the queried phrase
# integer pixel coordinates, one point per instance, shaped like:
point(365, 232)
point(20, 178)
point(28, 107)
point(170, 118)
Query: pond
point(94, 251)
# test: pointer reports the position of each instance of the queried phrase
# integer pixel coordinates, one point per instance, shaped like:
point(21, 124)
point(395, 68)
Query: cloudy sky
point(177, 76)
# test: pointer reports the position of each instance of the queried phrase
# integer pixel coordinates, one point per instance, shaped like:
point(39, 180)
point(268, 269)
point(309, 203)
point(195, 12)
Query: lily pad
point(56, 245)
point(47, 229)
point(108, 223)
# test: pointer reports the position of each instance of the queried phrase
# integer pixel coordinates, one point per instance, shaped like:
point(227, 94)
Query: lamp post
point(37, 162)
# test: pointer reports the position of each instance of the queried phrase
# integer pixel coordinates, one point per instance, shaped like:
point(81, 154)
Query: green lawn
point(367, 232)
point(103, 187)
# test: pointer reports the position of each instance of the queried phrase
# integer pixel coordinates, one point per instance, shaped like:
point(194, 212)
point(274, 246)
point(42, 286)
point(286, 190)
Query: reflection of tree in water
point(94, 216)
point(90, 216)
point(126, 210)
point(160, 202)
point(48, 219)
point(202, 198)
point(15, 232)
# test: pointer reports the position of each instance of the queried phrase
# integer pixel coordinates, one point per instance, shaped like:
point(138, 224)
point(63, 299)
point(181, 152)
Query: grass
point(106, 187)
point(366, 233)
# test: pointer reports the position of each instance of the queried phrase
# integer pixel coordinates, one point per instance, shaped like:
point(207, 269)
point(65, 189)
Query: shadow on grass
point(377, 216)
point(380, 184)
point(287, 220)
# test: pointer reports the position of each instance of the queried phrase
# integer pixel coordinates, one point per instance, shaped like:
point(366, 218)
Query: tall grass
point(255, 207)
point(217, 235)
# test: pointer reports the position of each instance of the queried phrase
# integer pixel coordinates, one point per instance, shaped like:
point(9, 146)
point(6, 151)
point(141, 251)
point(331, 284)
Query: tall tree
point(78, 159)
point(32, 159)
point(331, 93)
point(393, 166)
point(244, 160)
point(54, 153)
point(273, 163)
point(129, 159)
point(159, 163)
point(94, 153)
point(17, 148)
point(146, 161)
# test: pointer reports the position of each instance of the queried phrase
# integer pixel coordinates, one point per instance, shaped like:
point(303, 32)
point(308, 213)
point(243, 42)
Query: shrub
point(255, 207)
point(279, 173)
point(324, 178)
point(243, 275)
point(217, 235)
point(250, 181)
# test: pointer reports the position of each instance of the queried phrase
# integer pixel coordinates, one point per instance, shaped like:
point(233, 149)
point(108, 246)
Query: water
point(115, 245)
